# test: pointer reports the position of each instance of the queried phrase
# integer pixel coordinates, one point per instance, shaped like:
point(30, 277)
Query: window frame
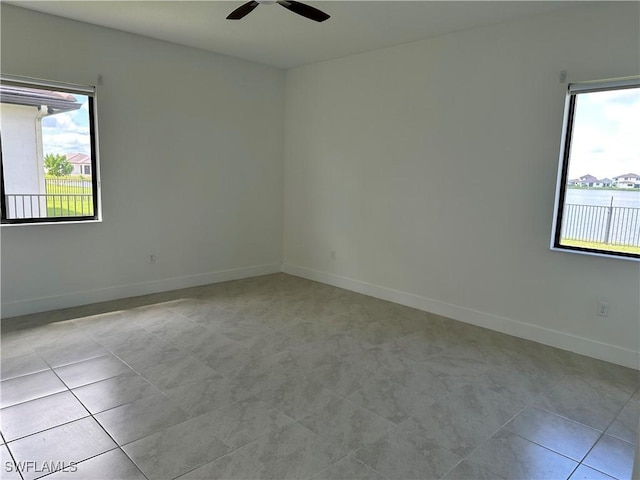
point(573, 90)
point(90, 92)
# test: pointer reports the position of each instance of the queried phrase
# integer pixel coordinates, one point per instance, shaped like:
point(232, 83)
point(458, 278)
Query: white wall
point(430, 169)
point(20, 142)
point(23, 160)
point(191, 167)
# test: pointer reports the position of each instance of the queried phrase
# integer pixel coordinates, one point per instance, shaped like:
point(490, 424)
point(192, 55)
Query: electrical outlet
point(152, 258)
point(603, 309)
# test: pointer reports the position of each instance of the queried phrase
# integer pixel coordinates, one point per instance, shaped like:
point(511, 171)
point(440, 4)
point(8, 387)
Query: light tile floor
point(279, 377)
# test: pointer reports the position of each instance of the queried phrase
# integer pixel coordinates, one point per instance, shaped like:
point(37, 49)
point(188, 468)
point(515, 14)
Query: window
point(48, 152)
point(598, 193)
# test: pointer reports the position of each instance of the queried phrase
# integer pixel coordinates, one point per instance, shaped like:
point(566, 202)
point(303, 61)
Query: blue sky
point(67, 132)
point(606, 136)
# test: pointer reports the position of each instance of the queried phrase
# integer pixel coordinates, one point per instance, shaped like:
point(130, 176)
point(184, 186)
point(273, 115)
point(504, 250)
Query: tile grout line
point(6, 444)
point(604, 433)
point(531, 405)
point(298, 421)
point(66, 423)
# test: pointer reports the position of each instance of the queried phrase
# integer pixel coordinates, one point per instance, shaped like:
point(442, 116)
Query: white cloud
point(64, 143)
point(605, 139)
point(61, 134)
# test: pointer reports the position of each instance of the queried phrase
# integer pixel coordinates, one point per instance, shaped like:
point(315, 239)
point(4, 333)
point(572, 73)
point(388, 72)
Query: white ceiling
point(274, 36)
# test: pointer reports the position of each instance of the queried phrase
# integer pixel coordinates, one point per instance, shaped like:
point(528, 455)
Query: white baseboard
point(547, 336)
point(43, 304)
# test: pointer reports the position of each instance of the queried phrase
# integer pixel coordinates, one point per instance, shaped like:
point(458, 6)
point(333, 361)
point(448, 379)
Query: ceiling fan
point(296, 7)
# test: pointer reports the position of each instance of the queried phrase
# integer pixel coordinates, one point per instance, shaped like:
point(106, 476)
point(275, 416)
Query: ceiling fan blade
point(242, 11)
point(304, 10)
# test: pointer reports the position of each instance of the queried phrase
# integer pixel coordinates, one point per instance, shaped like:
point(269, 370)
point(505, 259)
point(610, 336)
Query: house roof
point(591, 179)
point(588, 178)
point(55, 101)
point(79, 158)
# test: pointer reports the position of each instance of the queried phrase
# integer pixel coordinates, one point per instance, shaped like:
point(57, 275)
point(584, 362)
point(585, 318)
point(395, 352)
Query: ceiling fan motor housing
point(303, 9)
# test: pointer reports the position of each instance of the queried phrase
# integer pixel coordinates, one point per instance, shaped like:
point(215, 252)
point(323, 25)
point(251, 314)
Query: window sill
point(591, 253)
point(37, 224)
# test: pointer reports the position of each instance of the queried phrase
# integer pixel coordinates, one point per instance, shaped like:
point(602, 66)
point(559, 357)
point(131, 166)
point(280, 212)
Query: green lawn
point(60, 203)
point(600, 246)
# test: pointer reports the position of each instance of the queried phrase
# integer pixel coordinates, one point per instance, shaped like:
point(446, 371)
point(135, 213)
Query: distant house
point(81, 163)
point(603, 182)
point(628, 180)
point(587, 181)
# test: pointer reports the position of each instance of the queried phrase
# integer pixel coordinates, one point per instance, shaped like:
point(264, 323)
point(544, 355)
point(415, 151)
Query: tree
point(57, 165)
